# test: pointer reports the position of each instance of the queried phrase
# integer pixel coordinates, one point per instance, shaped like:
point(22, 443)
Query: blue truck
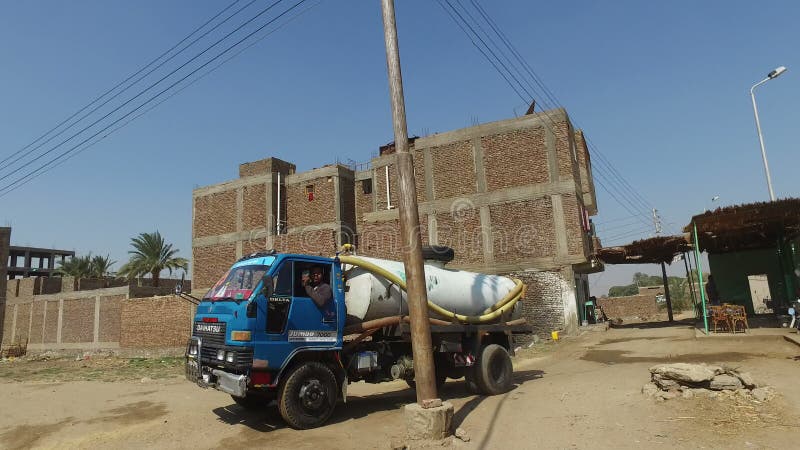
point(260, 337)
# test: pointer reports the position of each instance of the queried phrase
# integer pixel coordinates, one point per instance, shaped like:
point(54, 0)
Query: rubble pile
point(684, 380)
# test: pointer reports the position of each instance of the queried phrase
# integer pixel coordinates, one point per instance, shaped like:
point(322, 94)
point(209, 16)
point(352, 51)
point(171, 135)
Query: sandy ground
point(579, 393)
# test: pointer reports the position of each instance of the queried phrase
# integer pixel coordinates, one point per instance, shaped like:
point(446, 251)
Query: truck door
point(293, 321)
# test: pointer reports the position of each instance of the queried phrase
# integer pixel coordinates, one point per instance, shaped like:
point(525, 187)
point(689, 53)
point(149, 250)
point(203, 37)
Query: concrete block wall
point(168, 322)
point(67, 320)
point(108, 319)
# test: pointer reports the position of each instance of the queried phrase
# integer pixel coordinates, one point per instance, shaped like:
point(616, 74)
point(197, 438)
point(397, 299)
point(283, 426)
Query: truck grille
point(212, 334)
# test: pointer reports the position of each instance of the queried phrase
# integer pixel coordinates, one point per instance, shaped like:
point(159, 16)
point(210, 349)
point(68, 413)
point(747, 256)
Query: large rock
point(650, 389)
point(747, 380)
point(725, 383)
point(762, 394)
point(665, 383)
point(686, 373)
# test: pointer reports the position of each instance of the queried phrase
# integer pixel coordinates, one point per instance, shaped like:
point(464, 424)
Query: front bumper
point(209, 377)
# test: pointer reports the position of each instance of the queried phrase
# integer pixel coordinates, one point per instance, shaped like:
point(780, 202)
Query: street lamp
point(774, 74)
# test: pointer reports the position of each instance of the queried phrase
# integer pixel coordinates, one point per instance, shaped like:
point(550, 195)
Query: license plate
point(208, 327)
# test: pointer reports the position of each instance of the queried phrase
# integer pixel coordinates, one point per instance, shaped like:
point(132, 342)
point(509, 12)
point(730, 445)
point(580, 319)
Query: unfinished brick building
point(510, 197)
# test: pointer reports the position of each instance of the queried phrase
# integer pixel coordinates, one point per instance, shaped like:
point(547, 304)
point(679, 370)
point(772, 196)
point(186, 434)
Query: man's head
point(316, 275)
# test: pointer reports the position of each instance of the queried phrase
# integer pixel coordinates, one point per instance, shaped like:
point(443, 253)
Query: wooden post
point(409, 222)
point(666, 291)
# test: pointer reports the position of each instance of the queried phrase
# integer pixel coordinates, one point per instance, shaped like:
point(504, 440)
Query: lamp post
point(774, 74)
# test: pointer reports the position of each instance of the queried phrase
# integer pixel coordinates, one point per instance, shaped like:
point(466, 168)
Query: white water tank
point(371, 297)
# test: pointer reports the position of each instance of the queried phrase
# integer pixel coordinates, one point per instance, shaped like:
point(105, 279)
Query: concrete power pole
point(410, 241)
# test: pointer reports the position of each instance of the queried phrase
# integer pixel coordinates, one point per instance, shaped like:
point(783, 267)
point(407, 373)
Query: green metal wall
point(730, 271)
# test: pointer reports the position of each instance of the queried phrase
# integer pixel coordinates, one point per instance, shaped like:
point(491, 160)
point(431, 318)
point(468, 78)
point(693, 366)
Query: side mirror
point(267, 286)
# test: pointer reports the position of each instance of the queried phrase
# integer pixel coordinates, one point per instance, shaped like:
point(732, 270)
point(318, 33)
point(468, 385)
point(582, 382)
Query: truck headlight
point(220, 354)
point(193, 349)
point(230, 357)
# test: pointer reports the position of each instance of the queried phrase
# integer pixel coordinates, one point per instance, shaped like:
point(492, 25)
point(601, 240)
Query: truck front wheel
point(493, 371)
point(308, 395)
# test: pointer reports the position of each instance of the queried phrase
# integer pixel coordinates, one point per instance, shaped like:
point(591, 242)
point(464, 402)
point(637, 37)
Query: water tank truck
point(261, 335)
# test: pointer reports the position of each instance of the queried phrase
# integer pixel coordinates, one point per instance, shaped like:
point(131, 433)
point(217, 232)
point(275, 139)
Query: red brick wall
point(363, 201)
point(461, 230)
point(23, 320)
point(78, 320)
point(215, 214)
point(453, 170)
point(523, 230)
point(347, 191)
point(110, 318)
point(254, 214)
point(311, 242)
point(573, 219)
point(302, 212)
point(265, 166)
point(210, 263)
point(155, 322)
point(380, 182)
point(51, 322)
point(543, 304)
point(516, 158)
point(37, 322)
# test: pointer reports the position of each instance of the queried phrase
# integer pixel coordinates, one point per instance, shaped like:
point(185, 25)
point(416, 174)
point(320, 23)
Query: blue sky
point(661, 89)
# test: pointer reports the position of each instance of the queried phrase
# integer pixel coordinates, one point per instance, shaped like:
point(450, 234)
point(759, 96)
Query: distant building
point(510, 197)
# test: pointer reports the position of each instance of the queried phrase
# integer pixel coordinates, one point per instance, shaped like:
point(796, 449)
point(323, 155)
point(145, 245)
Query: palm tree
point(77, 267)
point(151, 254)
point(100, 266)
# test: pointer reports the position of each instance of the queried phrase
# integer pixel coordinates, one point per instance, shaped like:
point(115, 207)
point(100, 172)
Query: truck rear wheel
point(308, 395)
point(493, 371)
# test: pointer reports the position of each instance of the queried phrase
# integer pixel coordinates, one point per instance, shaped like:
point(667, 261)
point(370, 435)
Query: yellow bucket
point(554, 335)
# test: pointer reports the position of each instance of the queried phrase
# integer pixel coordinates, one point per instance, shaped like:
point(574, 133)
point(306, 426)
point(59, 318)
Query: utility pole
point(417, 295)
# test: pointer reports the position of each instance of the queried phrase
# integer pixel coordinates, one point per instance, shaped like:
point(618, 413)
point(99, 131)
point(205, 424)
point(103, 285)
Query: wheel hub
point(312, 394)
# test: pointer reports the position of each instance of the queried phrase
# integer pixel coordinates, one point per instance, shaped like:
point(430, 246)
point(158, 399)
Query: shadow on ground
point(269, 419)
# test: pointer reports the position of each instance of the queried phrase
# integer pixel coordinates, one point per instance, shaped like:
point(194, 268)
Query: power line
point(613, 177)
point(176, 92)
point(121, 83)
point(6, 187)
point(141, 92)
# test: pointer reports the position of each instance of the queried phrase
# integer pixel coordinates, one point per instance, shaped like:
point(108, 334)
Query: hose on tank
point(498, 309)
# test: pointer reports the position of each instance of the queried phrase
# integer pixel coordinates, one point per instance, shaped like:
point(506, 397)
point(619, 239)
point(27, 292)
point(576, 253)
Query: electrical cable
point(176, 92)
point(121, 83)
point(4, 188)
point(143, 91)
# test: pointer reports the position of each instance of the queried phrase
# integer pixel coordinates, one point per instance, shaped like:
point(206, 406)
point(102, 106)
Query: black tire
point(440, 374)
point(438, 253)
point(493, 370)
point(308, 395)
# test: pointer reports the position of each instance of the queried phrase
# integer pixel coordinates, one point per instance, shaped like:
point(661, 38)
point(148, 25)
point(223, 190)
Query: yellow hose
point(491, 313)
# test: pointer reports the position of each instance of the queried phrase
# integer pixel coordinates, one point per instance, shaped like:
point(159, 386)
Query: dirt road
point(580, 393)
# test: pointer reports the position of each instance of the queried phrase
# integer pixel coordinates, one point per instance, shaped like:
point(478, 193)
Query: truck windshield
point(237, 284)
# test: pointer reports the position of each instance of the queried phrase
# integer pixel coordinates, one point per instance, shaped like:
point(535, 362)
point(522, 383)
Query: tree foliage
point(678, 289)
point(150, 255)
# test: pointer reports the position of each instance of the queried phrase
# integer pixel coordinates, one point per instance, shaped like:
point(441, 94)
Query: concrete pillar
point(27, 261)
point(96, 338)
point(60, 320)
point(51, 261)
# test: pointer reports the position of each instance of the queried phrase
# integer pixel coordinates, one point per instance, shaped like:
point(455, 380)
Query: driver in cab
point(316, 288)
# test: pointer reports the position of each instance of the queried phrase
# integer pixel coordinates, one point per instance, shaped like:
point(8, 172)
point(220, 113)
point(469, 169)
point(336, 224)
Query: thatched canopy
point(747, 226)
point(654, 250)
